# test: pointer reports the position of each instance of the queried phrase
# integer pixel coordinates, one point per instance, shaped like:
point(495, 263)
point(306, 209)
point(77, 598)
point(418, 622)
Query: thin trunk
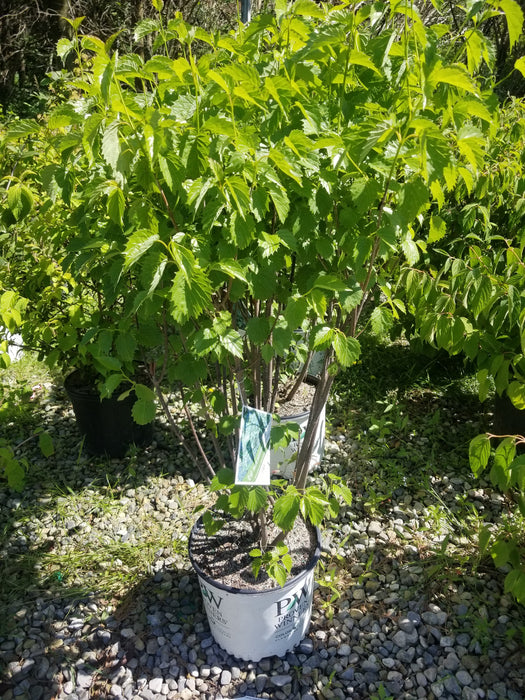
point(319, 402)
point(176, 430)
point(300, 377)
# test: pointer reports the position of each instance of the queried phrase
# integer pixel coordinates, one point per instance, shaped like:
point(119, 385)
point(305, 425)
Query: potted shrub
point(467, 298)
point(261, 194)
point(72, 318)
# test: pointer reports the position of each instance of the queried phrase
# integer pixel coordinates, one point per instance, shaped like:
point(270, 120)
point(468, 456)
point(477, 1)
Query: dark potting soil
point(225, 556)
point(300, 402)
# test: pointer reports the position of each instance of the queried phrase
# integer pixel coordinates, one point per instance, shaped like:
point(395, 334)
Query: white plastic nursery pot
point(252, 624)
point(283, 459)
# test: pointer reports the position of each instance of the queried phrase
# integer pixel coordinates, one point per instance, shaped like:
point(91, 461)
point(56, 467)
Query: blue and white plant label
point(253, 456)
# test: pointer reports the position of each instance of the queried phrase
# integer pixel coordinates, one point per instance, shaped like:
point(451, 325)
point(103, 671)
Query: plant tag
point(253, 455)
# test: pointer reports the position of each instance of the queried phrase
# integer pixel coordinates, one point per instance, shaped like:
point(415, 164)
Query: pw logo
point(210, 597)
point(286, 604)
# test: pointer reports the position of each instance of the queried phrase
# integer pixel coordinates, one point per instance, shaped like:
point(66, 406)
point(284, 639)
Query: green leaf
point(116, 205)
point(330, 282)
point(347, 349)
point(212, 524)
point(313, 505)
point(501, 552)
point(343, 492)
point(20, 200)
point(64, 47)
point(322, 337)
point(453, 75)
point(282, 162)
point(110, 385)
point(240, 194)
point(516, 393)
point(484, 539)
point(295, 312)
point(242, 229)
point(258, 329)
point(286, 509)
point(190, 295)
point(438, 229)
point(517, 473)
point(143, 411)
point(515, 584)
point(479, 453)
point(381, 320)
point(145, 27)
point(140, 242)
point(308, 8)
point(21, 128)
point(45, 442)
point(257, 499)
point(520, 65)
point(111, 144)
point(482, 295)
point(144, 392)
point(410, 249)
point(232, 268)
point(484, 384)
point(280, 200)
point(514, 16)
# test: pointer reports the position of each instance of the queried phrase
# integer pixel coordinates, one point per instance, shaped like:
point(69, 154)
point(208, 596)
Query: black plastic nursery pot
point(508, 420)
point(107, 424)
point(251, 624)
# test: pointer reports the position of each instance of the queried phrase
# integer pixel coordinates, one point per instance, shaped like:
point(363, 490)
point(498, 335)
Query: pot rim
point(251, 591)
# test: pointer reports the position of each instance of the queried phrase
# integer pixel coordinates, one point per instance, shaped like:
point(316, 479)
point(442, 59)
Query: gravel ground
point(413, 617)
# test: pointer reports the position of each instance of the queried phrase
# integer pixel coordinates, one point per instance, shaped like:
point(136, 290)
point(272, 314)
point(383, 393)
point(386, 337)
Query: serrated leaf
point(501, 552)
point(308, 8)
point(347, 349)
point(516, 393)
point(21, 128)
point(343, 492)
point(285, 509)
point(232, 268)
point(126, 345)
point(330, 282)
point(240, 194)
point(313, 505)
point(438, 229)
point(456, 76)
point(258, 329)
point(280, 200)
point(45, 442)
point(295, 312)
point(212, 524)
point(116, 205)
point(190, 295)
point(517, 474)
point(257, 499)
point(143, 411)
point(479, 453)
point(381, 320)
point(110, 385)
point(111, 144)
point(481, 296)
point(410, 249)
point(20, 200)
point(322, 336)
point(145, 27)
point(484, 539)
point(514, 17)
point(140, 242)
point(504, 454)
point(520, 65)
